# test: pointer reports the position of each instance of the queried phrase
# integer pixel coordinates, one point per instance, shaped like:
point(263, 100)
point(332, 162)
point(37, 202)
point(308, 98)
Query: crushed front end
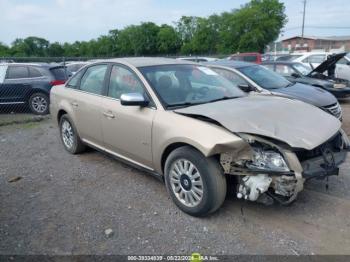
point(275, 171)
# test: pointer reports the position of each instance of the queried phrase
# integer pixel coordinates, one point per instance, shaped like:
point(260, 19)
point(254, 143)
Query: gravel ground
point(55, 203)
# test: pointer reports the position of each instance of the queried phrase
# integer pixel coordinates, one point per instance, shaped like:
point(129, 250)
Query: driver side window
point(123, 81)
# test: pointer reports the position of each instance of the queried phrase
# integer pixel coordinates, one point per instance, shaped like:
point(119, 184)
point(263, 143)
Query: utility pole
point(302, 27)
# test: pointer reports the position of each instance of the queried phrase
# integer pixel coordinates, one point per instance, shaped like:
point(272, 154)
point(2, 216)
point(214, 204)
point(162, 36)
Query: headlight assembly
point(267, 160)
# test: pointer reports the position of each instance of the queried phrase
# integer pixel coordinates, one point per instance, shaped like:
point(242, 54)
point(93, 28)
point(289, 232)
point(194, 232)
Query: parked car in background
point(247, 57)
point(298, 72)
point(192, 127)
point(251, 77)
point(316, 58)
point(73, 67)
point(197, 59)
point(23, 83)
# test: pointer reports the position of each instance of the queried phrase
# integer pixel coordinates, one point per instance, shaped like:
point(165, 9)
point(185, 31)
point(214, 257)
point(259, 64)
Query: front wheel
point(39, 103)
point(196, 184)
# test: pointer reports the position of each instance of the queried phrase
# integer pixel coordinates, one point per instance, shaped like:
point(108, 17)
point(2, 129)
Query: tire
point(211, 180)
point(69, 136)
point(39, 103)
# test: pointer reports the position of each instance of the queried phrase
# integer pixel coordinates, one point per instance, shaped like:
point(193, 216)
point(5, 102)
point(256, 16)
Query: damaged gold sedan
point(188, 125)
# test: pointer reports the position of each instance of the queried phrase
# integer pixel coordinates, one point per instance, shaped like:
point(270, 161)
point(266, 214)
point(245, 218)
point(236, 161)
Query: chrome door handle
point(75, 104)
point(109, 115)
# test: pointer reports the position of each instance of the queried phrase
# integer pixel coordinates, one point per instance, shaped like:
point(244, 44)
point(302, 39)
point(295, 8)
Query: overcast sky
point(70, 20)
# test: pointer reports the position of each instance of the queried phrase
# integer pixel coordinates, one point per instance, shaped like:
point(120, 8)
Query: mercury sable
point(193, 128)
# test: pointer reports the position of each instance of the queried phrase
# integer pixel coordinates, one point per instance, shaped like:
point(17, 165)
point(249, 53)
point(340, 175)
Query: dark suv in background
point(30, 84)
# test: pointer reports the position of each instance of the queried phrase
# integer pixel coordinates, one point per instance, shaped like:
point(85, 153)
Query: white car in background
point(316, 58)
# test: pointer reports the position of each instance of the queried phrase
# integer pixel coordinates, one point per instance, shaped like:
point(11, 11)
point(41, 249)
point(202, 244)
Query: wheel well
point(33, 91)
point(60, 114)
point(170, 149)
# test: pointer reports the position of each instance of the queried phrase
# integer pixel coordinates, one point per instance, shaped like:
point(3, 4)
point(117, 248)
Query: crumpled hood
point(308, 94)
point(298, 124)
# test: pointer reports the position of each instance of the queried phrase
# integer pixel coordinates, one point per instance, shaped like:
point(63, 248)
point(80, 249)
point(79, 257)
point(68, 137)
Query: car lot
point(56, 203)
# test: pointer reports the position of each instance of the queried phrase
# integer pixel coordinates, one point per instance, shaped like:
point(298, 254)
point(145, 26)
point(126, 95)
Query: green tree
point(169, 41)
point(259, 23)
point(187, 26)
point(55, 50)
point(4, 50)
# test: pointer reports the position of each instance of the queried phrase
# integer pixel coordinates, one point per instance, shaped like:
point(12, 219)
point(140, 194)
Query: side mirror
point(246, 88)
point(296, 75)
point(133, 99)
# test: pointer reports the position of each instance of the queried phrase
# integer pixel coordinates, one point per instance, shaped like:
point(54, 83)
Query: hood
point(331, 61)
point(308, 94)
point(298, 124)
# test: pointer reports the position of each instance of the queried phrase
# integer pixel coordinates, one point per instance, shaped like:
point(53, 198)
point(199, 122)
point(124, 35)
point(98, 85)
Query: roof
point(46, 65)
point(230, 63)
point(328, 38)
point(147, 61)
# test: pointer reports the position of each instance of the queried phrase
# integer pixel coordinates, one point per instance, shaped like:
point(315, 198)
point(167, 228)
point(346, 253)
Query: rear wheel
point(69, 136)
point(39, 103)
point(196, 184)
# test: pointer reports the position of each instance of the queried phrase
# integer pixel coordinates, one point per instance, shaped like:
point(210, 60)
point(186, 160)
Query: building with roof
point(309, 43)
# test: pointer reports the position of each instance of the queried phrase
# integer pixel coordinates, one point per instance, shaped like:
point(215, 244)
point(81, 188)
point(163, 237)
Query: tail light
point(57, 82)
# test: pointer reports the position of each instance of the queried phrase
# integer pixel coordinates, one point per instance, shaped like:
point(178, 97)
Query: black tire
point(77, 146)
point(212, 177)
point(39, 103)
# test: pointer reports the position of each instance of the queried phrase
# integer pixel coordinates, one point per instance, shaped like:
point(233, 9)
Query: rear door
point(86, 102)
point(16, 84)
point(127, 130)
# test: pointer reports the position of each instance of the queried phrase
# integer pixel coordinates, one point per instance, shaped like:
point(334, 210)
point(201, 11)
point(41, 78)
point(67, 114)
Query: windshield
point(185, 85)
point(303, 69)
point(264, 77)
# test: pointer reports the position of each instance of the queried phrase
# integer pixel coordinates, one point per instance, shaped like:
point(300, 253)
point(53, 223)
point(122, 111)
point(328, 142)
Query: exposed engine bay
point(277, 173)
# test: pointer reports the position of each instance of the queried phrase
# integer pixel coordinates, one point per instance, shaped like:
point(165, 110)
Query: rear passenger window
point(33, 72)
point(15, 72)
point(93, 79)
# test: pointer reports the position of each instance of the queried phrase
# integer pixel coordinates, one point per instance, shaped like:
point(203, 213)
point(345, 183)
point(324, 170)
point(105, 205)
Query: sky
point(71, 20)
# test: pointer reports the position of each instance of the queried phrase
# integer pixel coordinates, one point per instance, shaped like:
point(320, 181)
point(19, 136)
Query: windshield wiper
point(184, 104)
point(290, 84)
point(200, 103)
point(222, 98)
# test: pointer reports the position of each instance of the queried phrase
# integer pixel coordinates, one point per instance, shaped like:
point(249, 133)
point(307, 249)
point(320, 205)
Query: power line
point(317, 27)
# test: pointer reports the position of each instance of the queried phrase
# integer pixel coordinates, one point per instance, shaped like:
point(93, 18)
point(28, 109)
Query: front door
point(127, 130)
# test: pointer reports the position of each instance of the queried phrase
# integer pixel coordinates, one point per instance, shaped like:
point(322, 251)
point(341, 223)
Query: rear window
point(59, 73)
point(15, 72)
